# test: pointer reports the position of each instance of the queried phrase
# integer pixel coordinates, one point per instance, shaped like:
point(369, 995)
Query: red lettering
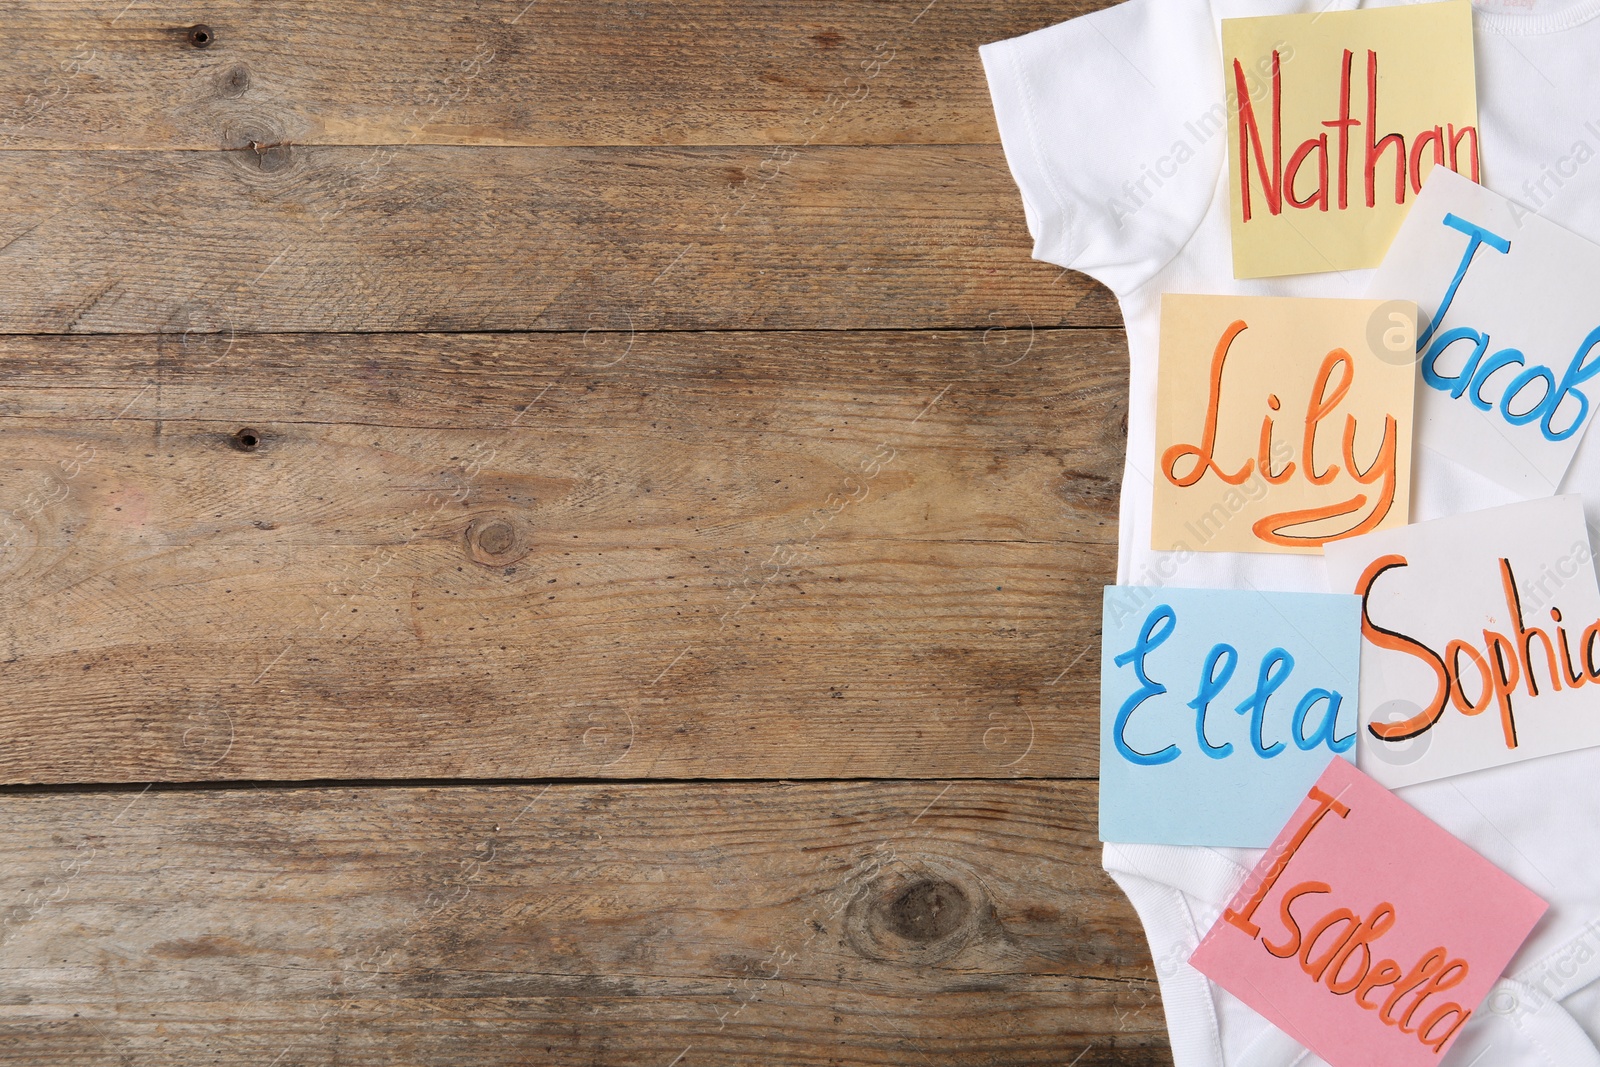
point(1250, 133)
point(1261, 164)
point(1343, 124)
point(1318, 145)
point(1455, 149)
point(1436, 135)
point(1377, 146)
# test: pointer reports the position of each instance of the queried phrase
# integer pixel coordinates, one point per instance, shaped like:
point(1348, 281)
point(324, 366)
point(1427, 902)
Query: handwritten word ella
point(1214, 676)
point(1505, 660)
point(1332, 386)
point(1482, 365)
point(1338, 949)
point(1279, 183)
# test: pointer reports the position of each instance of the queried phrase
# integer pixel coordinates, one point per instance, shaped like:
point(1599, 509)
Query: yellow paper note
point(1335, 121)
point(1281, 424)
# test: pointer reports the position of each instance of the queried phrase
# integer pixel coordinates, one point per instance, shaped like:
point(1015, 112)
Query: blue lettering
point(1325, 732)
point(1210, 685)
point(1475, 375)
point(1478, 238)
point(1521, 382)
point(1578, 372)
point(1456, 385)
point(1268, 680)
point(1506, 357)
point(1217, 672)
point(1164, 619)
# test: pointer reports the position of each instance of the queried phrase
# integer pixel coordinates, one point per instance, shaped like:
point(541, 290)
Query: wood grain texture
point(626, 391)
point(504, 72)
point(933, 922)
point(729, 555)
point(522, 239)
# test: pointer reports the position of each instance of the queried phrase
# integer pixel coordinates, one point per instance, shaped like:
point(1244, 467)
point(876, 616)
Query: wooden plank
point(522, 239)
point(691, 924)
point(504, 72)
point(729, 555)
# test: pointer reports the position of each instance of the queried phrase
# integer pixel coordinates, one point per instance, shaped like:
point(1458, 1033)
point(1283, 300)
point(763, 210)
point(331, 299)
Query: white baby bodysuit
point(1114, 126)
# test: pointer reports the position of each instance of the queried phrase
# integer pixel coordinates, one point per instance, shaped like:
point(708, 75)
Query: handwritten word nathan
point(1333, 383)
point(1483, 365)
point(1215, 674)
point(1506, 660)
point(1280, 184)
point(1338, 950)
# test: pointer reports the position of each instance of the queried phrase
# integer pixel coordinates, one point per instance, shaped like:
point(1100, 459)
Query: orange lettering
point(1202, 454)
point(1324, 804)
point(1395, 642)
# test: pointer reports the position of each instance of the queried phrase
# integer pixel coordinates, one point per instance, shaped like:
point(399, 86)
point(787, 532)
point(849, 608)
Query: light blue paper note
point(1220, 708)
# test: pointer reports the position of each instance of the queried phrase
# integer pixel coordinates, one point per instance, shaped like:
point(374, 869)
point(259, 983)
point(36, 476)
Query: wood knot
point(257, 142)
point(915, 909)
point(496, 540)
point(927, 911)
point(234, 81)
point(272, 157)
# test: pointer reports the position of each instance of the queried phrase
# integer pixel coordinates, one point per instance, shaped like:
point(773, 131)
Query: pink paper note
point(1367, 933)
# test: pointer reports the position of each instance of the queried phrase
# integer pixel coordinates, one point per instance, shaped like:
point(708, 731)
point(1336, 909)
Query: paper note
point(1367, 933)
point(1219, 708)
point(1510, 304)
point(1335, 120)
point(1281, 424)
point(1481, 640)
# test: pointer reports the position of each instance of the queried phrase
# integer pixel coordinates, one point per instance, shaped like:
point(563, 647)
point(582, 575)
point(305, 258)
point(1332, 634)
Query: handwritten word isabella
point(1333, 382)
point(1279, 183)
point(1505, 660)
point(1338, 950)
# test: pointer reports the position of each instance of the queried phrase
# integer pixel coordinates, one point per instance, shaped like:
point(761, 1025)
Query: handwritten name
point(1505, 661)
point(1482, 365)
point(1338, 950)
point(1333, 382)
point(1214, 675)
point(1280, 182)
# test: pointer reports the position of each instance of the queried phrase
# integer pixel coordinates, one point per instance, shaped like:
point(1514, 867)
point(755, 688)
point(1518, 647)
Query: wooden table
point(546, 533)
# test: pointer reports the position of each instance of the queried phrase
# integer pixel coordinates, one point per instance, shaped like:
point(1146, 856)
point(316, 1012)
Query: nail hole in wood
point(201, 36)
point(246, 440)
